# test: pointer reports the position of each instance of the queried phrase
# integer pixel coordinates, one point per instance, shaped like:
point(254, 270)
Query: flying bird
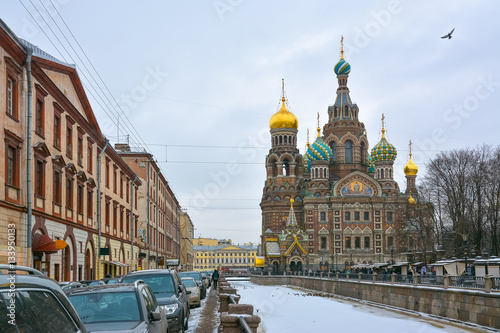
point(448, 35)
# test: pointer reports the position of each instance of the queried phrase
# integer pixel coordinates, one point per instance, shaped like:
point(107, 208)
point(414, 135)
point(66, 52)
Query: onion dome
point(319, 151)
point(410, 169)
point(411, 201)
point(342, 67)
point(283, 118)
point(384, 151)
point(371, 165)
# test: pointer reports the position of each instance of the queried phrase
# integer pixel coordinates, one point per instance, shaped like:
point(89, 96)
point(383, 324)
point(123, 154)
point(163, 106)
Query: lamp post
point(465, 237)
point(143, 165)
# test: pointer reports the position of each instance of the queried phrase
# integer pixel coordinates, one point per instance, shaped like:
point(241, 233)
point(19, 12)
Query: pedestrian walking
point(215, 278)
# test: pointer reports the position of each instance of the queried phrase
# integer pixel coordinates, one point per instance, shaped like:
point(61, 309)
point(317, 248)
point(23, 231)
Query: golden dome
point(411, 169)
point(411, 200)
point(283, 118)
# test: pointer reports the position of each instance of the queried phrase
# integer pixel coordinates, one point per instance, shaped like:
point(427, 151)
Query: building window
point(39, 117)
point(80, 151)
point(40, 179)
point(12, 97)
point(348, 242)
point(128, 191)
point(333, 147)
point(114, 181)
point(367, 216)
point(323, 216)
point(90, 156)
point(121, 220)
point(389, 216)
point(57, 187)
point(348, 152)
point(367, 242)
point(11, 166)
point(121, 187)
point(115, 217)
point(107, 174)
point(69, 142)
point(356, 216)
point(90, 204)
point(390, 242)
point(79, 199)
point(357, 242)
point(107, 214)
point(323, 243)
point(347, 216)
point(57, 132)
point(69, 193)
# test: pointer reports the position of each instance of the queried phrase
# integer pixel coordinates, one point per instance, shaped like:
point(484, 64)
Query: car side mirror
point(188, 292)
point(155, 316)
point(180, 289)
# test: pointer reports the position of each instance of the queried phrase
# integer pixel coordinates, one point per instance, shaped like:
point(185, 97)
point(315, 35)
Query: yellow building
point(187, 233)
point(225, 257)
point(211, 242)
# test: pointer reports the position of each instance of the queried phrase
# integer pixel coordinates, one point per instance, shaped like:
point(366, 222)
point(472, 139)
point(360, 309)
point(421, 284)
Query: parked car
point(96, 283)
point(196, 275)
point(206, 279)
point(170, 293)
point(32, 291)
point(72, 285)
point(192, 286)
point(119, 307)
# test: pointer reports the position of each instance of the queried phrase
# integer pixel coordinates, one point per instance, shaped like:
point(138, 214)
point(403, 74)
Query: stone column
point(488, 283)
point(393, 278)
point(374, 277)
point(446, 281)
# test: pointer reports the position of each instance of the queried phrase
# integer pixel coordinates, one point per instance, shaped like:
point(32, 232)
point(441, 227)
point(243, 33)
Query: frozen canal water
point(284, 309)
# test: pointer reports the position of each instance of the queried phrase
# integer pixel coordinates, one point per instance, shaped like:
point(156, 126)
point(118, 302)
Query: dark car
point(24, 293)
point(119, 307)
point(199, 280)
point(169, 292)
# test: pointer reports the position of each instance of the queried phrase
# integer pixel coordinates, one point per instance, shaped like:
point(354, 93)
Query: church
point(338, 204)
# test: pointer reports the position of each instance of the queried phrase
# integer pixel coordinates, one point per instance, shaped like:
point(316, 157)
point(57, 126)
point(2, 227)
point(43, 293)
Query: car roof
point(187, 278)
point(151, 271)
point(106, 288)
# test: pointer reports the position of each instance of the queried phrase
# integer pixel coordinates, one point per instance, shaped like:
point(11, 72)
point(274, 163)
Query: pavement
point(209, 318)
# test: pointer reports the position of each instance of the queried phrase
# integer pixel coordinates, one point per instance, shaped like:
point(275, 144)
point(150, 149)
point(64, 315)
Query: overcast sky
point(198, 79)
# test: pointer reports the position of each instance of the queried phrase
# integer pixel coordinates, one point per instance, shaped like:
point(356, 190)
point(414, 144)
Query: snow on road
point(284, 309)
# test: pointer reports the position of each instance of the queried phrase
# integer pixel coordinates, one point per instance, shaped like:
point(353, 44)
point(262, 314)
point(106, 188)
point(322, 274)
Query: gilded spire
point(342, 47)
point(283, 91)
point(319, 129)
point(383, 126)
point(409, 145)
point(308, 138)
point(291, 202)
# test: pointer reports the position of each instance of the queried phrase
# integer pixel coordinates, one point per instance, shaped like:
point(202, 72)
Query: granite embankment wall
point(472, 306)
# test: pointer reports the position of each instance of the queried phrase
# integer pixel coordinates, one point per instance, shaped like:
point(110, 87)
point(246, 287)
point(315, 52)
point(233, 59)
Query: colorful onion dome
point(319, 151)
point(342, 67)
point(410, 169)
point(383, 151)
point(283, 118)
point(371, 165)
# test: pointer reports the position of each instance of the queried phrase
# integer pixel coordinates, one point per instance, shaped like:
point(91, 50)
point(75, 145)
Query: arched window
point(321, 173)
point(346, 111)
point(316, 172)
point(348, 152)
point(333, 146)
point(286, 168)
point(335, 111)
point(390, 173)
point(281, 139)
point(382, 174)
point(275, 169)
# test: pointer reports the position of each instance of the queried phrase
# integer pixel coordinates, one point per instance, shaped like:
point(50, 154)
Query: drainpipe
point(99, 208)
point(157, 231)
point(132, 222)
point(28, 160)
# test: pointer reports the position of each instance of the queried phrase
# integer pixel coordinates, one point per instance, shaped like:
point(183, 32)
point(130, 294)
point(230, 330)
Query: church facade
point(338, 204)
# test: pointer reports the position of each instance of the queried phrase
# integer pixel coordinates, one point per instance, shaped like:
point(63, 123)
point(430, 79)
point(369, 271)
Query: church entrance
point(276, 267)
point(296, 266)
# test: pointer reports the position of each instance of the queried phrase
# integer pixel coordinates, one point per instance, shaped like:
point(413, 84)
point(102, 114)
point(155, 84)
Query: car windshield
point(160, 284)
point(102, 306)
point(189, 283)
point(194, 275)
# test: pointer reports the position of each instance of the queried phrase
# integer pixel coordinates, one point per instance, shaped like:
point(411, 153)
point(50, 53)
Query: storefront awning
point(43, 243)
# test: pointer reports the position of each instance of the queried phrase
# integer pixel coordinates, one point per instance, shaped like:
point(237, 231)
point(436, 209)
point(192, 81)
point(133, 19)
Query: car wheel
point(186, 325)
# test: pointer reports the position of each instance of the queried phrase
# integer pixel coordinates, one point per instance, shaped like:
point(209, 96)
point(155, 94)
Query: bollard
point(360, 276)
point(393, 278)
point(337, 275)
point(488, 283)
point(229, 320)
point(374, 277)
point(347, 275)
point(329, 275)
point(321, 274)
point(416, 279)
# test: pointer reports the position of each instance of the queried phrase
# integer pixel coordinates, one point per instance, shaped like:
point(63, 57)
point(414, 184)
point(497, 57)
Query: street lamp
point(465, 237)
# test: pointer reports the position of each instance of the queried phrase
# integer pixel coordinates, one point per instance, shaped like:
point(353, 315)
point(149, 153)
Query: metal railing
point(466, 282)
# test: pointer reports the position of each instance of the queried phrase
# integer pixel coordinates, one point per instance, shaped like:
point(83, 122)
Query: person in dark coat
point(215, 278)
